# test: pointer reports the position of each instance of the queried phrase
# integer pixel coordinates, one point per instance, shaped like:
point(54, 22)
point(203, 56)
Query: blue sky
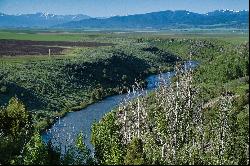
point(97, 8)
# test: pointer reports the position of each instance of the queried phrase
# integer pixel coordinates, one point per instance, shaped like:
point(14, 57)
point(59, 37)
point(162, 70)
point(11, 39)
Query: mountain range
point(39, 20)
point(155, 20)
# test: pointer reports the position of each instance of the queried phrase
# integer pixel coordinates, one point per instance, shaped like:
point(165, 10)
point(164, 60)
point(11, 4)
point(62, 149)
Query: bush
point(135, 154)
point(15, 127)
point(3, 89)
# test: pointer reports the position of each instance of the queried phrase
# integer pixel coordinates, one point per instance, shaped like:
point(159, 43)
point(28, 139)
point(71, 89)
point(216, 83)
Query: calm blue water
point(65, 130)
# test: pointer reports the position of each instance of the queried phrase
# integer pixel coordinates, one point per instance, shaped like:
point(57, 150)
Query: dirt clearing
point(28, 47)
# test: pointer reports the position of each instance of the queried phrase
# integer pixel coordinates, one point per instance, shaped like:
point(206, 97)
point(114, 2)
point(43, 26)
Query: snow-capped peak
point(75, 17)
point(226, 11)
point(46, 15)
point(231, 10)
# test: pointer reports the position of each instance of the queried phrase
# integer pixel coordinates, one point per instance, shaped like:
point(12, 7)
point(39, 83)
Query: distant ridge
point(168, 19)
point(156, 20)
point(40, 20)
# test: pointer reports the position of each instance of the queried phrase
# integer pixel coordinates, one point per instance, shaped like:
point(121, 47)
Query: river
point(65, 130)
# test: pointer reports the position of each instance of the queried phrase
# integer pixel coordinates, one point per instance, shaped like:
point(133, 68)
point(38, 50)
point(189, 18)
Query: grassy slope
point(224, 60)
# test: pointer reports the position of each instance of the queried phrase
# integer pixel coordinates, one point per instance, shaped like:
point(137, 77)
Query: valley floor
point(86, 67)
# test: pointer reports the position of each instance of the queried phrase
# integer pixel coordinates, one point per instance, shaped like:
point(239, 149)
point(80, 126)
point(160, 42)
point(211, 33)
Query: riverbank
point(62, 114)
point(74, 122)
